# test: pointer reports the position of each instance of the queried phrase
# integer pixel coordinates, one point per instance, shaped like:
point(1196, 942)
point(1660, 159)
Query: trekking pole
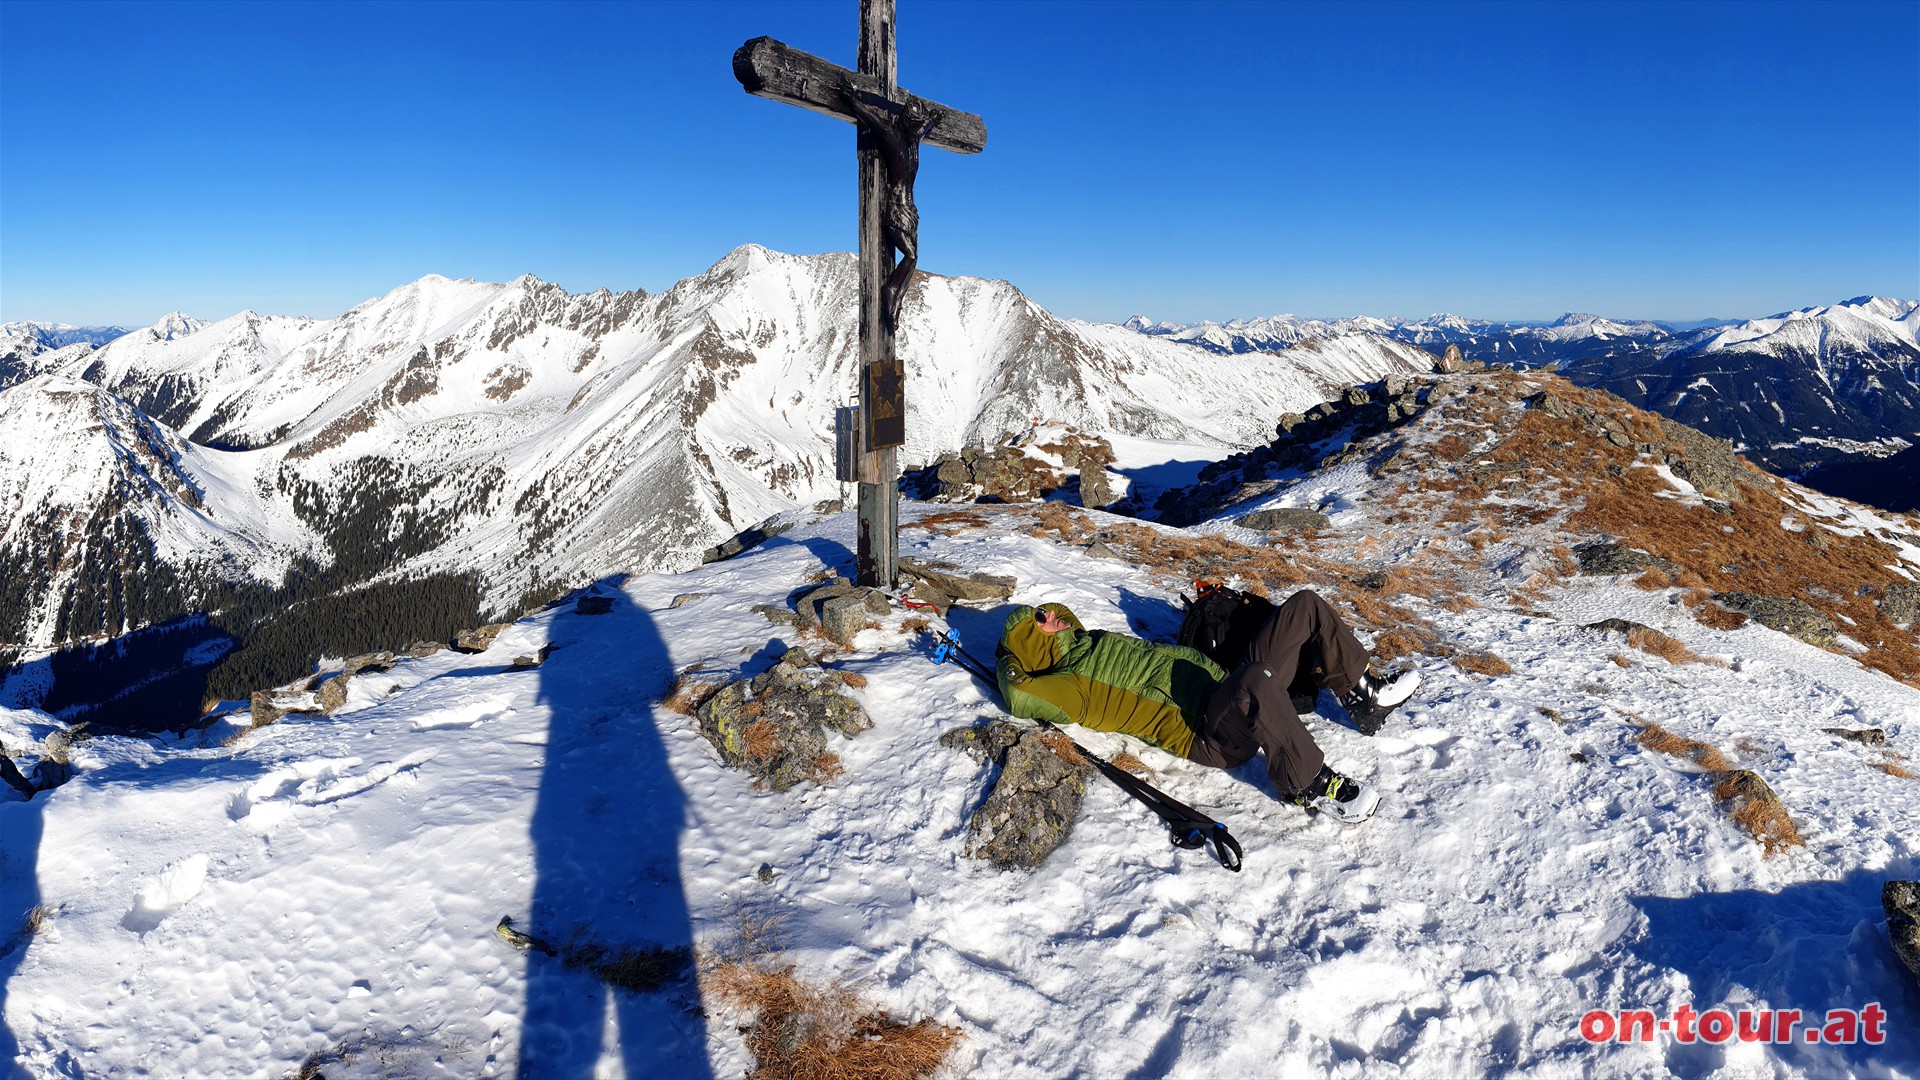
point(1186, 827)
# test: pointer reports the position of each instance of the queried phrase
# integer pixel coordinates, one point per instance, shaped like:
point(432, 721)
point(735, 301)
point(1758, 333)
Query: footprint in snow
point(162, 896)
point(269, 800)
point(467, 714)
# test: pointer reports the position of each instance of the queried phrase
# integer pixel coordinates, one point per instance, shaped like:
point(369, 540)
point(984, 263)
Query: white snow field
point(330, 885)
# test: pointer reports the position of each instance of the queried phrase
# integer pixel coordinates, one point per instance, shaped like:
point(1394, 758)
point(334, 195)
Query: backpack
point(1220, 622)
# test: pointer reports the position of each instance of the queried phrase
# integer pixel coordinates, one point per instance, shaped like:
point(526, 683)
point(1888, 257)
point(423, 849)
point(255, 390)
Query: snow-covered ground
point(332, 883)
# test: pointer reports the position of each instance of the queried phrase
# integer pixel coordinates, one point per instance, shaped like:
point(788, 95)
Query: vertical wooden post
point(879, 502)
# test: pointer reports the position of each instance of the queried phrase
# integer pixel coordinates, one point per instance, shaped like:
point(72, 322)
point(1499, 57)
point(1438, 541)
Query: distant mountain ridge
point(1573, 334)
point(1795, 390)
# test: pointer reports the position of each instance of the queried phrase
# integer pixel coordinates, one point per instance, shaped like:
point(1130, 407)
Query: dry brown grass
point(1483, 664)
point(1894, 768)
point(1062, 747)
point(1653, 579)
point(1620, 661)
point(827, 767)
point(854, 679)
point(949, 522)
point(691, 690)
point(1659, 739)
point(760, 740)
point(1565, 562)
point(1670, 649)
point(1757, 556)
point(1764, 819)
point(1128, 761)
point(1594, 489)
point(798, 1030)
point(1711, 615)
point(1058, 517)
point(1368, 612)
point(1395, 644)
point(1459, 603)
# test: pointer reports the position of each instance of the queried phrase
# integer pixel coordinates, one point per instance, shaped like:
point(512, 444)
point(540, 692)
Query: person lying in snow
point(1052, 668)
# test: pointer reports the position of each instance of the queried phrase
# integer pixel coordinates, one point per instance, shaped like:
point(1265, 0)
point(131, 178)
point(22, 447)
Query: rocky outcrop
point(775, 724)
point(1605, 557)
point(1323, 435)
point(269, 706)
point(745, 540)
point(1901, 899)
point(1900, 603)
point(1002, 474)
point(480, 640)
point(946, 580)
point(1284, 519)
point(1872, 736)
point(1035, 800)
point(1617, 626)
point(839, 608)
point(1010, 473)
point(1709, 464)
point(1792, 617)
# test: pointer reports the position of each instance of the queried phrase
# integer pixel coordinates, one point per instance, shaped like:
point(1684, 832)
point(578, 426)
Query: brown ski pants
point(1304, 643)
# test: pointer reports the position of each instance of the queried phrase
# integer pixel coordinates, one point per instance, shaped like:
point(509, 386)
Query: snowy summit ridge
point(1552, 843)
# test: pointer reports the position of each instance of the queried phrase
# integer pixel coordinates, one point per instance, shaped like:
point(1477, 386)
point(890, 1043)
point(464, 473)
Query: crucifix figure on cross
point(899, 136)
point(892, 125)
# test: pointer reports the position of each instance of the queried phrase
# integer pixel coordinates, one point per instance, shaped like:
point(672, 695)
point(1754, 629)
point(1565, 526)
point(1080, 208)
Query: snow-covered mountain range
point(1794, 390)
point(1570, 336)
point(537, 439)
point(37, 337)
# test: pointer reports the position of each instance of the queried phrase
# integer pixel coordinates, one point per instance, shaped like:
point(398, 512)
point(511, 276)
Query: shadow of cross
point(892, 124)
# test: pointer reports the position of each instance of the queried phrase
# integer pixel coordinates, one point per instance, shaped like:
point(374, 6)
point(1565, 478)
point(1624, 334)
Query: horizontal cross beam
point(772, 69)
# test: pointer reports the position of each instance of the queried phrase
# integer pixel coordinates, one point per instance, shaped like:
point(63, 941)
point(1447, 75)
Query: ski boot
point(1374, 696)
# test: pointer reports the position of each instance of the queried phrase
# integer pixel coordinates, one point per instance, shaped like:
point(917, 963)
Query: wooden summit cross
point(892, 125)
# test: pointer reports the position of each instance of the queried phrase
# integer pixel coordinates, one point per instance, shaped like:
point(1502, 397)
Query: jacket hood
point(1032, 648)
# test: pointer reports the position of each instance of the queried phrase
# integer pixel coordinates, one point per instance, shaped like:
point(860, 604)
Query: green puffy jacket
point(1104, 681)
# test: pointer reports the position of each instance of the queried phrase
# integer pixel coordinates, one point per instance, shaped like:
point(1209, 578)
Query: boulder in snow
point(1900, 603)
point(1036, 799)
point(1872, 736)
point(479, 641)
point(268, 706)
point(1284, 519)
point(1790, 616)
point(945, 578)
point(1603, 558)
point(775, 724)
point(1901, 899)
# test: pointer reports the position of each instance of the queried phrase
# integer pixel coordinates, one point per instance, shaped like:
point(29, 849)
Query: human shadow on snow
point(1811, 946)
point(20, 829)
point(606, 846)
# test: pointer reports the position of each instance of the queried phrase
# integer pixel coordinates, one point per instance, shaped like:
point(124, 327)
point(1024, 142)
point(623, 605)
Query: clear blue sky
point(1183, 160)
